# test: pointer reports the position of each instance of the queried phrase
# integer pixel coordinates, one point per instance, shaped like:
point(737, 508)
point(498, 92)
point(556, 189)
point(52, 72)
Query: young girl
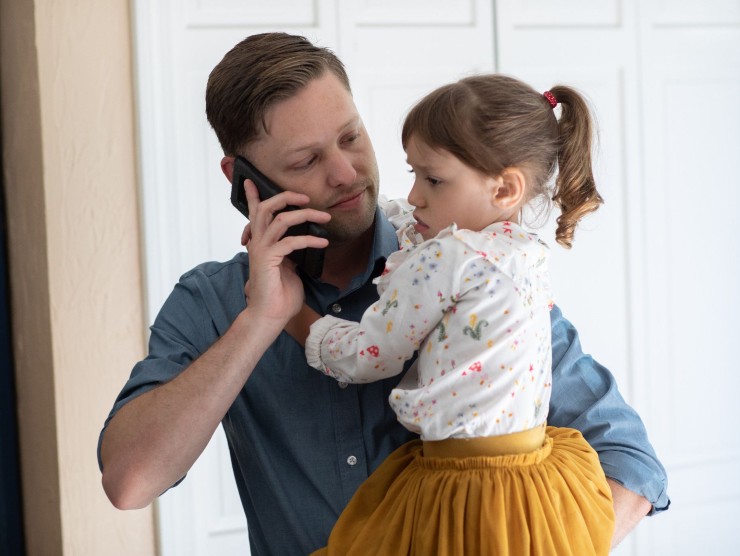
point(469, 291)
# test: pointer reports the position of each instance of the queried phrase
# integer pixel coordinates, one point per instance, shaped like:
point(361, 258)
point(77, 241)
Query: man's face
point(316, 144)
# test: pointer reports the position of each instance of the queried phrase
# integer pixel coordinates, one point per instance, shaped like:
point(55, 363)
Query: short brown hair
point(492, 122)
point(254, 75)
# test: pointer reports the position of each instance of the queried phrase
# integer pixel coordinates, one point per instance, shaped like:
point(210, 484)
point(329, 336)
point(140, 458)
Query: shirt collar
point(385, 242)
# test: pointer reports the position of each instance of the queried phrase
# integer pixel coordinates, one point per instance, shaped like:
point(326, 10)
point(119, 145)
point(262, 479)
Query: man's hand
point(629, 509)
point(275, 291)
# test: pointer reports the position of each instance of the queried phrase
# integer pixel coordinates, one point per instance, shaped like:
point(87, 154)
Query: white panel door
point(187, 214)
point(649, 282)
point(691, 121)
point(652, 286)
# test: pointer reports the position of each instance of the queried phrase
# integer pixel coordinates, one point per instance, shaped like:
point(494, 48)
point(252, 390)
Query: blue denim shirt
point(301, 443)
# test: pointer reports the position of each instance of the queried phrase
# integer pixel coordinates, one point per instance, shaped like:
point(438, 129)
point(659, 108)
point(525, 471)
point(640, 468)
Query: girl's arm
point(299, 327)
point(414, 298)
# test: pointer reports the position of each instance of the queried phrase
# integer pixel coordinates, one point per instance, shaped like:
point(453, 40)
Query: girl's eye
point(431, 180)
point(352, 138)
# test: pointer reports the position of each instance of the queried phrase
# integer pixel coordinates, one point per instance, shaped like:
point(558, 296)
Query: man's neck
point(344, 261)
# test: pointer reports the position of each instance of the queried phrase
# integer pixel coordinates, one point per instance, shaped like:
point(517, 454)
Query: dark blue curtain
point(11, 524)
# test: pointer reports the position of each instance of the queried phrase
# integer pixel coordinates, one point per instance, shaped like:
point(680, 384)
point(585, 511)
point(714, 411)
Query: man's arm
point(585, 397)
point(155, 438)
point(629, 509)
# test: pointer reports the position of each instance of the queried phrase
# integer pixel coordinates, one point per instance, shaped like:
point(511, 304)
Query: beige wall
point(76, 288)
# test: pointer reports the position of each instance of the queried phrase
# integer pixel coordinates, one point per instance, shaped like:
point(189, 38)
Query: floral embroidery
point(474, 329)
point(392, 303)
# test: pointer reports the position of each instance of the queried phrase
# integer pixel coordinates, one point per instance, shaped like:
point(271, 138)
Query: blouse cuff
point(319, 330)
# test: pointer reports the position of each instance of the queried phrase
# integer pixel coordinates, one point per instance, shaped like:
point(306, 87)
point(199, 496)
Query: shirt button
point(343, 385)
point(351, 460)
point(336, 308)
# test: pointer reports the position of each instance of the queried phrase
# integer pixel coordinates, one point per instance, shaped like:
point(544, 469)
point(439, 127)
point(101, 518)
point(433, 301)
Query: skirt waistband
point(505, 444)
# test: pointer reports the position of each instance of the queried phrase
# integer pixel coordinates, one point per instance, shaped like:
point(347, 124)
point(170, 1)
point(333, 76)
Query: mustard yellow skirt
point(553, 500)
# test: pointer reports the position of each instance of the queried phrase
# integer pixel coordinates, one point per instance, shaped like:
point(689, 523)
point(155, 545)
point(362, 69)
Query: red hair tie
point(550, 98)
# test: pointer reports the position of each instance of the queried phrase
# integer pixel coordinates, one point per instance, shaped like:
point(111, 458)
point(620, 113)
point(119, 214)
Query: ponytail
point(575, 189)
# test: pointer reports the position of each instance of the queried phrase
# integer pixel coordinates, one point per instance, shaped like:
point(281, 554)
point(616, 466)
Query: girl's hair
point(492, 122)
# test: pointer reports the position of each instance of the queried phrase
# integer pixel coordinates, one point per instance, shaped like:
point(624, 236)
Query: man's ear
point(227, 167)
point(511, 188)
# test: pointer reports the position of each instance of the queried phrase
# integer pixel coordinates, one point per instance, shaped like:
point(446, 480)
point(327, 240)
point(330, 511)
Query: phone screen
point(311, 260)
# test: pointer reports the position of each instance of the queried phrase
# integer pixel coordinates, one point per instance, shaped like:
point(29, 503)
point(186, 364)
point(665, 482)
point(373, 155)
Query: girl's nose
point(415, 197)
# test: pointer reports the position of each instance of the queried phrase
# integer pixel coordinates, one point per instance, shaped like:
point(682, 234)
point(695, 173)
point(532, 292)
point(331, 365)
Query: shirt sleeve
point(192, 318)
point(397, 211)
point(400, 214)
point(391, 329)
point(585, 397)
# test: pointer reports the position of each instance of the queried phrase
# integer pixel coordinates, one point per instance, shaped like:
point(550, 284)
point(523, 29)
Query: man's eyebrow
point(300, 149)
point(352, 122)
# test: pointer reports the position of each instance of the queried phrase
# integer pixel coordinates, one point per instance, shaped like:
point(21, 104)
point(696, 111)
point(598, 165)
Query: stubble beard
point(348, 227)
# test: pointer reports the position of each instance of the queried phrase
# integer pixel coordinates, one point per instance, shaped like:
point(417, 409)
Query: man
point(301, 443)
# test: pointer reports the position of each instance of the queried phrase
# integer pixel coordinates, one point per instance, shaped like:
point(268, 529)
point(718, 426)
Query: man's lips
point(350, 201)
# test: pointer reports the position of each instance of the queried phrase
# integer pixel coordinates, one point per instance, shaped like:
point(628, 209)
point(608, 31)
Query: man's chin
point(347, 227)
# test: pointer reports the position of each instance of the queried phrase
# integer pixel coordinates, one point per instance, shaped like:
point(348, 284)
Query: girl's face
point(446, 190)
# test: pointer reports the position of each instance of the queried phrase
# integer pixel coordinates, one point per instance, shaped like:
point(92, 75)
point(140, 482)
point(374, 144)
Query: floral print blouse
point(475, 306)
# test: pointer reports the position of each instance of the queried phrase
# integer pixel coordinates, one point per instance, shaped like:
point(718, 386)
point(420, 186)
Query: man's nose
point(341, 170)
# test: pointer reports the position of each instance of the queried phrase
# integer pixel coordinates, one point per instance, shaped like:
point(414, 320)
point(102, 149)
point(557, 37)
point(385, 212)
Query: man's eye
point(305, 164)
point(433, 181)
point(352, 138)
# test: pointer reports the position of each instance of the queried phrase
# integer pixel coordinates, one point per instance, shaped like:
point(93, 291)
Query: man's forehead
point(315, 114)
point(290, 139)
point(322, 95)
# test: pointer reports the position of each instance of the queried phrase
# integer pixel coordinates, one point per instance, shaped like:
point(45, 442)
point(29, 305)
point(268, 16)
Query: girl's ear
point(511, 188)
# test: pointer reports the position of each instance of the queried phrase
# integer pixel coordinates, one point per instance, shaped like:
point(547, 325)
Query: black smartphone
point(310, 260)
